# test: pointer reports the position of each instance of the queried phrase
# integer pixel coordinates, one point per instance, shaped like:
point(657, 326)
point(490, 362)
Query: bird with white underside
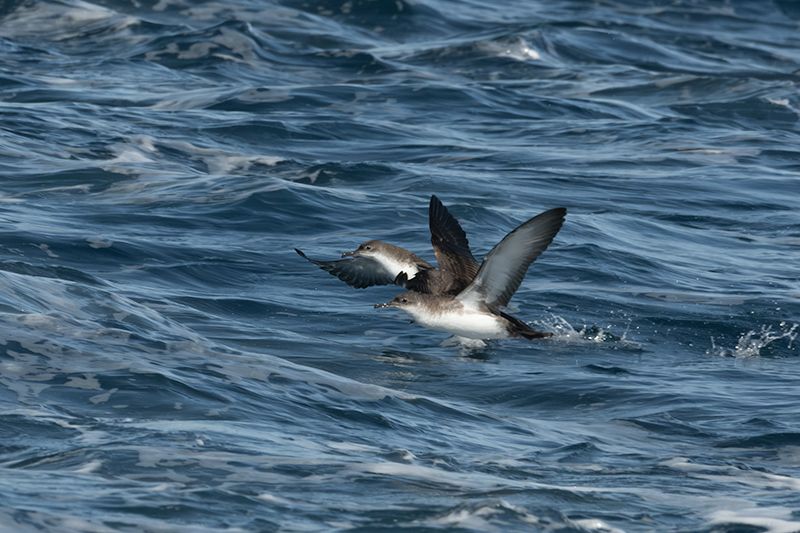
point(460, 297)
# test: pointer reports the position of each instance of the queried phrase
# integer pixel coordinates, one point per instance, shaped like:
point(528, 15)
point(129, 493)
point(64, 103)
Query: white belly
point(469, 325)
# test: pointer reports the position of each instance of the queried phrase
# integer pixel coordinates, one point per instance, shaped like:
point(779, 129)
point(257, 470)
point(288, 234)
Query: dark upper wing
point(505, 266)
point(458, 266)
point(357, 271)
point(427, 281)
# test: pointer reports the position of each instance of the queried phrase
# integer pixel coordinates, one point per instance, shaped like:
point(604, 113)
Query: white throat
point(395, 267)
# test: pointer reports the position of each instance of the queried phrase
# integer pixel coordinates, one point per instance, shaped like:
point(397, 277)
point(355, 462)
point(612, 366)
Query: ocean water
point(169, 363)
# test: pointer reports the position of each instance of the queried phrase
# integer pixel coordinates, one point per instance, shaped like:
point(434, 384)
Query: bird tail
point(521, 329)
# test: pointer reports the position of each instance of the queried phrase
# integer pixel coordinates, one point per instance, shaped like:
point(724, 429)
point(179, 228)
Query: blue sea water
point(169, 363)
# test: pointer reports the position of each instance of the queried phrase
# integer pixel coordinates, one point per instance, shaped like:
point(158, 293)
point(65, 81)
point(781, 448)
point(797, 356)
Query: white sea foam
point(752, 342)
point(563, 331)
point(733, 474)
point(480, 517)
point(771, 519)
point(60, 21)
point(515, 48)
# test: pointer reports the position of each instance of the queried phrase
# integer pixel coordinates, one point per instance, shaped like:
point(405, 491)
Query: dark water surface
point(168, 363)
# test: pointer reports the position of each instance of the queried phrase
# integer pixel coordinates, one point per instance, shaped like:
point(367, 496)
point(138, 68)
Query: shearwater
point(380, 263)
point(474, 312)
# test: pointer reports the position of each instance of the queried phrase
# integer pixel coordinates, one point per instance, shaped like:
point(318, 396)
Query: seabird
point(474, 312)
point(380, 263)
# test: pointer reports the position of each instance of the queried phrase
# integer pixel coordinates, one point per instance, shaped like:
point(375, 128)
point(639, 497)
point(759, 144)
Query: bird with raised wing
point(474, 312)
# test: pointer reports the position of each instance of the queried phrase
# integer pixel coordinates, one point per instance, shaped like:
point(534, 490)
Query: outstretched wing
point(505, 266)
point(358, 271)
point(457, 265)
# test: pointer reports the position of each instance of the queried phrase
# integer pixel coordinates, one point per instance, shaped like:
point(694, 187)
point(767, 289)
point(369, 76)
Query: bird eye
point(404, 300)
point(368, 247)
